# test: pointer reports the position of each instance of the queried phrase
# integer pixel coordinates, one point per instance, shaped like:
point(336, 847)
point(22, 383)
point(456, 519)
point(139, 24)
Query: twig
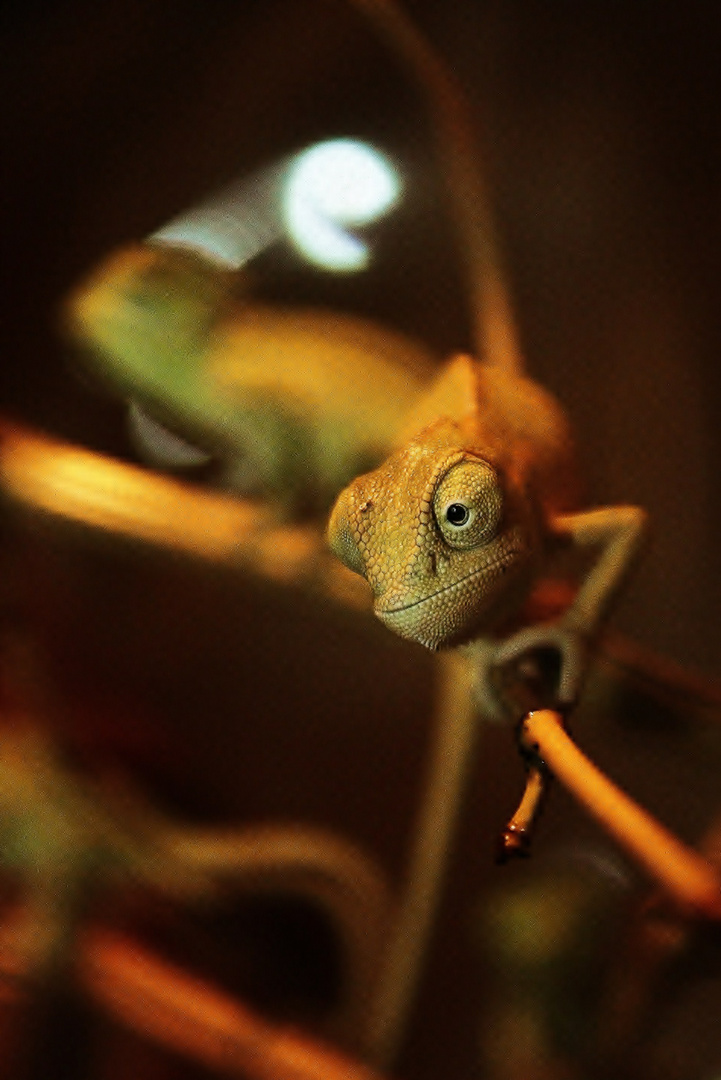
point(686, 876)
point(185, 1014)
point(454, 129)
point(516, 837)
point(451, 756)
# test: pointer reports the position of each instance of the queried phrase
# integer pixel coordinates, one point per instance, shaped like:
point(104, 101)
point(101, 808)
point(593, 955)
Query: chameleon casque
point(455, 529)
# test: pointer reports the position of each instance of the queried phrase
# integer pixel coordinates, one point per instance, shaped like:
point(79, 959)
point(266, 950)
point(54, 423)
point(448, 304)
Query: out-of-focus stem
point(454, 129)
point(185, 1014)
point(691, 880)
point(180, 1012)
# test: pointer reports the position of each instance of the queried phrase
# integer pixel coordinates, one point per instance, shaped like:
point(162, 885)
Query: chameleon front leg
point(618, 532)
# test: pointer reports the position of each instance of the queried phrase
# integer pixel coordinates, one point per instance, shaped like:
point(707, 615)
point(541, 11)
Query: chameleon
point(456, 527)
point(283, 403)
point(286, 403)
point(457, 530)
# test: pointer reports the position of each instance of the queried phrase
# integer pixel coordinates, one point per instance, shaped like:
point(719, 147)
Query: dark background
point(601, 126)
point(601, 132)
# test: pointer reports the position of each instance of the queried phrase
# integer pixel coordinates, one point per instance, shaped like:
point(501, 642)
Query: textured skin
point(436, 582)
point(459, 525)
point(291, 403)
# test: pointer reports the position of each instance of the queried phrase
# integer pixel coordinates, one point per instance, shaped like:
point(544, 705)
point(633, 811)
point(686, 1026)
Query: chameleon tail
point(495, 331)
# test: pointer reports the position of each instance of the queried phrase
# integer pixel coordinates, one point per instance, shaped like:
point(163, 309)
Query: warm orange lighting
point(690, 879)
point(85, 487)
point(100, 493)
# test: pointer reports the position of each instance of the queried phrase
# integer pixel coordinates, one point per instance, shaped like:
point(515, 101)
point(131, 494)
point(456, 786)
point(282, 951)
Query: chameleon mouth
point(499, 564)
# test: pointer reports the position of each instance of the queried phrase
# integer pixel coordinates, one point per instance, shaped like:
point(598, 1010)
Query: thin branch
point(454, 130)
point(185, 1014)
point(516, 837)
point(686, 876)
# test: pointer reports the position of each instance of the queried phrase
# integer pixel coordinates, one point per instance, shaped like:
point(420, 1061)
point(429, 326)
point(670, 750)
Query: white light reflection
point(341, 182)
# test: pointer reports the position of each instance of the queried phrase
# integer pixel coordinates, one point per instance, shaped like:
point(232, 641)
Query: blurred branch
point(661, 672)
point(184, 1014)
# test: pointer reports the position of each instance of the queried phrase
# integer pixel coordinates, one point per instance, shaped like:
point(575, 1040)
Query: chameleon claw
point(547, 663)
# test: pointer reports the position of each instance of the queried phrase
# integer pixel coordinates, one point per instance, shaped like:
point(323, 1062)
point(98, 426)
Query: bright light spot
point(333, 184)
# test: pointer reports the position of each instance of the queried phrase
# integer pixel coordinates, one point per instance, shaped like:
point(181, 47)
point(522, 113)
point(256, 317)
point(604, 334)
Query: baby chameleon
point(271, 394)
point(457, 527)
point(460, 523)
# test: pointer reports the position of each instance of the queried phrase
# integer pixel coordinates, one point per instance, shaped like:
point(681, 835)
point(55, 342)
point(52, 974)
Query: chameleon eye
point(457, 514)
point(468, 504)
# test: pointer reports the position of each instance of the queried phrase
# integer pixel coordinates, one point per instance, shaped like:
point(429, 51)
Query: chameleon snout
point(343, 538)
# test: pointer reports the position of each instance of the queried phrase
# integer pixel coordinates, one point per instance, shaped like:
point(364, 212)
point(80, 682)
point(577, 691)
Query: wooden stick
point(515, 839)
point(185, 1014)
point(686, 876)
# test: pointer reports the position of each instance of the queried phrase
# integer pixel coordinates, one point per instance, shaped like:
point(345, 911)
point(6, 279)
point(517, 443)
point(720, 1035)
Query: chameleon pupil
point(457, 514)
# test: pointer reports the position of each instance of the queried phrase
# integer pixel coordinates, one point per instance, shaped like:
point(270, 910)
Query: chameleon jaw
point(441, 617)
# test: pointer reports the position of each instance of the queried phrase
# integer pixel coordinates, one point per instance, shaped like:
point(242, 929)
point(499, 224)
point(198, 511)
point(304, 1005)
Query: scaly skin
point(438, 573)
point(458, 527)
point(455, 529)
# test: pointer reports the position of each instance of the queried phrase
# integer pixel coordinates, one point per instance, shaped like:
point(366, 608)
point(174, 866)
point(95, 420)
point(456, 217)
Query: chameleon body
point(290, 403)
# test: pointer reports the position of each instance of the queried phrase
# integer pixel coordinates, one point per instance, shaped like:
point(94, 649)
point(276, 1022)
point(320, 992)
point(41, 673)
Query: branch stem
point(686, 876)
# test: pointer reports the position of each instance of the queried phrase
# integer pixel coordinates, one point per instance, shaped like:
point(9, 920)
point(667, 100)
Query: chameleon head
point(147, 309)
point(442, 539)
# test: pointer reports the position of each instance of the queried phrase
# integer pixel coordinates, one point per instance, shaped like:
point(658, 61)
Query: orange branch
point(187, 1015)
point(691, 880)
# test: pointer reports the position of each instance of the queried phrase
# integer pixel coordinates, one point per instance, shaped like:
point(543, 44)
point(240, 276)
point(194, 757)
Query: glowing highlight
point(333, 185)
